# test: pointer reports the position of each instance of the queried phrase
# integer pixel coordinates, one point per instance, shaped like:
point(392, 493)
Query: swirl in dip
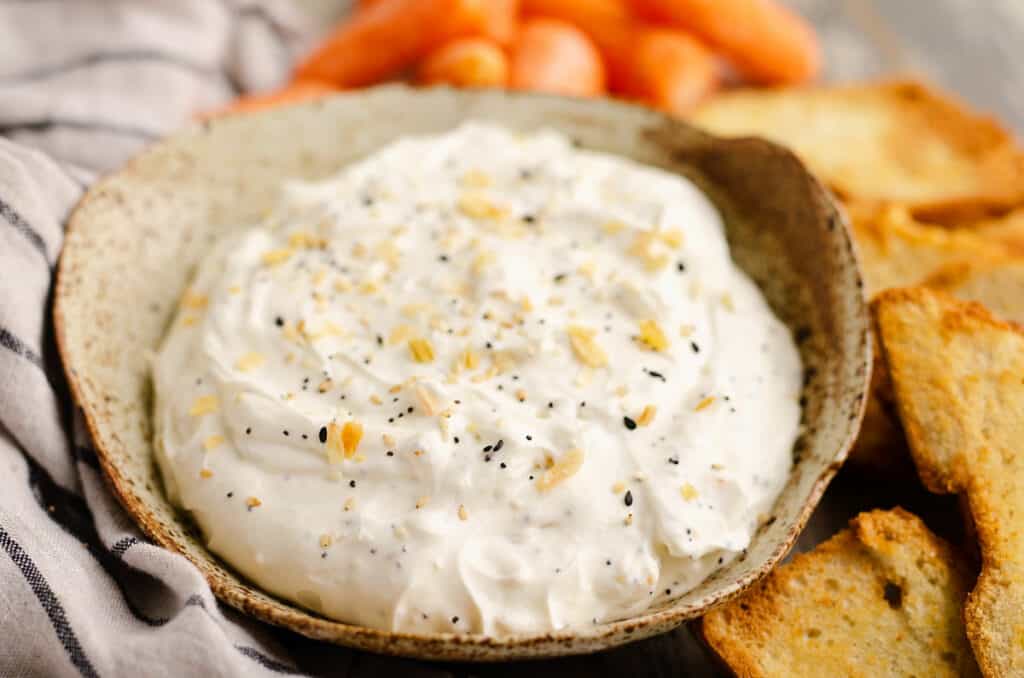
point(478, 382)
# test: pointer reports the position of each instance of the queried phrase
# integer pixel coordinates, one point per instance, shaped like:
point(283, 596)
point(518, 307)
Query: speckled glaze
point(135, 238)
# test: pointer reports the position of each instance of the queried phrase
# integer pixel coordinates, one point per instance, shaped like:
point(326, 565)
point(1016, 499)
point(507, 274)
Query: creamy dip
point(478, 382)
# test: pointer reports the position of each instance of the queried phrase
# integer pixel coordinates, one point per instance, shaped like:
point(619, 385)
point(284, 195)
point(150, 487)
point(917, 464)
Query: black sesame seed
point(503, 465)
point(443, 257)
point(529, 218)
point(285, 432)
point(391, 453)
point(498, 445)
point(455, 620)
point(529, 437)
point(323, 434)
point(668, 592)
point(551, 405)
point(248, 431)
point(628, 499)
point(629, 423)
point(674, 460)
point(681, 267)
point(410, 409)
point(656, 375)
point(230, 494)
point(391, 420)
point(488, 448)
point(279, 321)
point(456, 440)
point(352, 483)
point(323, 554)
point(560, 277)
point(380, 340)
point(489, 345)
point(695, 347)
point(305, 437)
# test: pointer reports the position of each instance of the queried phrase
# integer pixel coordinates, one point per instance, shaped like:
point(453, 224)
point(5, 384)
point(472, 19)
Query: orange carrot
point(768, 43)
point(579, 11)
point(466, 62)
point(502, 21)
point(390, 35)
point(671, 71)
point(290, 94)
point(502, 16)
point(666, 69)
point(556, 57)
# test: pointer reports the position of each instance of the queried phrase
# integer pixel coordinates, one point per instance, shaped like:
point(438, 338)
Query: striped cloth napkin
point(84, 84)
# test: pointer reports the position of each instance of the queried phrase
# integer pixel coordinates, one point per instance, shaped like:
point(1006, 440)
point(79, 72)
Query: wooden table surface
point(967, 46)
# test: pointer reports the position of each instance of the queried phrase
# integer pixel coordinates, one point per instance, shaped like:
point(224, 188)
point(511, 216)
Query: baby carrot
point(671, 71)
point(501, 18)
point(768, 43)
point(501, 21)
point(293, 93)
point(667, 69)
point(578, 11)
point(466, 62)
point(390, 35)
point(556, 57)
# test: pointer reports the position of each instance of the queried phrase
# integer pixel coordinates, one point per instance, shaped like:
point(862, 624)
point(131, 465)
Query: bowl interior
point(134, 240)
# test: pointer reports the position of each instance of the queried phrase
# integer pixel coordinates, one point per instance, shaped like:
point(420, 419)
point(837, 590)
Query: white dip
point(571, 403)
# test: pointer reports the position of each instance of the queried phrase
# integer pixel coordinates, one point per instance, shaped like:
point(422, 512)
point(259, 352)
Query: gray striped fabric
point(83, 85)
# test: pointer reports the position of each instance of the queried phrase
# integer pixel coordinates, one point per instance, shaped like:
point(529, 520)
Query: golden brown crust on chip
point(885, 142)
point(1007, 230)
point(998, 285)
point(897, 250)
point(958, 377)
point(881, 598)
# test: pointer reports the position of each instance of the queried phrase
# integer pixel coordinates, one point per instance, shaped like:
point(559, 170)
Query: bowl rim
point(468, 646)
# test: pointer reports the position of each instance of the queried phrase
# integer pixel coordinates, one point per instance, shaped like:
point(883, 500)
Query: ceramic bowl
point(136, 237)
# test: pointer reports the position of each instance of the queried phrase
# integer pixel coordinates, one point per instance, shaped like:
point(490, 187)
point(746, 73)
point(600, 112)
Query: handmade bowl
point(135, 238)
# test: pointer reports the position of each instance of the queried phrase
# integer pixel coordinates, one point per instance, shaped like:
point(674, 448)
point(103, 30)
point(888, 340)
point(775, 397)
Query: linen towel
point(83, 86)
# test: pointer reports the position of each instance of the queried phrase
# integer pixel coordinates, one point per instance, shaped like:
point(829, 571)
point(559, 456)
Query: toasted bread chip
point(958, 377)
point(881, 598)
point(896, 251)
point(999, 285)
point(887, 142)
point(1008, 230)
